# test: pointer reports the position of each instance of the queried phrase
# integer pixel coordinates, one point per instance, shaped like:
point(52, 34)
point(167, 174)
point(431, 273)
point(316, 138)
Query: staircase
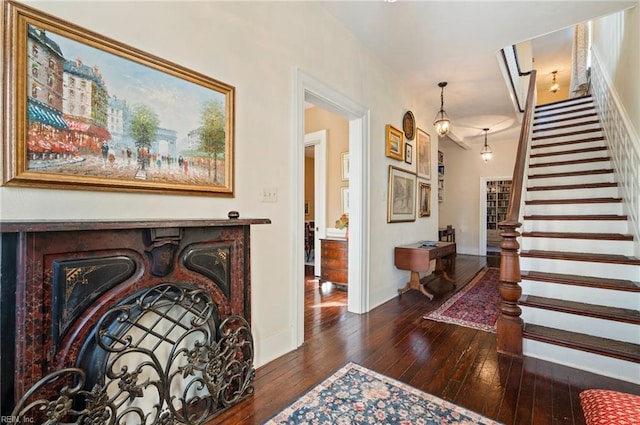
point(581, 295)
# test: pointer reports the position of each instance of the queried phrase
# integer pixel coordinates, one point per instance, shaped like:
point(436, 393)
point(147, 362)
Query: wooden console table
point(416, 258)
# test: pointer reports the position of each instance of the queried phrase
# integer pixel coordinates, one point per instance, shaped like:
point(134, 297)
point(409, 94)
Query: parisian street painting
point(116, 116)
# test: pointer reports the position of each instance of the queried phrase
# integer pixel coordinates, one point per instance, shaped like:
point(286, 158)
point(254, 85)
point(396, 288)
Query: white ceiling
point(458, 41)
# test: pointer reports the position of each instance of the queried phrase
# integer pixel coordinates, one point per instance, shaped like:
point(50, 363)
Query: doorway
point(494, 203)
point(308, 89)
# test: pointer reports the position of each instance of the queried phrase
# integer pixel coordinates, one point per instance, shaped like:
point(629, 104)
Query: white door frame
point(309, 89)
point(482, 234)
point(318, 140)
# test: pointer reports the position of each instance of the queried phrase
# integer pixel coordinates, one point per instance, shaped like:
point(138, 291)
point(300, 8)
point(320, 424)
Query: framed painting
point(394, 143)
point(408, 153)
point(424, 201)
point(423, 154)
point(345, 199)
point(401, 201)
point(345, 165)
point(88, 112)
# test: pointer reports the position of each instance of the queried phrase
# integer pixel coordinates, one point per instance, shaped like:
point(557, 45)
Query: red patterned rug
point(477, 305)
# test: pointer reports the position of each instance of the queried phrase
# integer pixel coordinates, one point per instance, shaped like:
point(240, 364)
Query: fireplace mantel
point(59, 277)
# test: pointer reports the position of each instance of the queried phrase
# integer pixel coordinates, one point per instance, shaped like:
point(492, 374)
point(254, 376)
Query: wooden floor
point(452, 362)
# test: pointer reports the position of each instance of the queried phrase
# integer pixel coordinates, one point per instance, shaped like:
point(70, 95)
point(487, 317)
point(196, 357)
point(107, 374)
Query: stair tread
point(579, 117)
point(561, 111)
point(567, 142)
point(578, 280)
point(571, 133)
point(573, 201)
point(574, 186)
point(584, 217)
point(569, 152)
point(572, 173)
point(559, 127)
point(577, 235)
point(583, 309)
point(564, 103)
point(570, 162)
point(582, 256)
point(603, 346)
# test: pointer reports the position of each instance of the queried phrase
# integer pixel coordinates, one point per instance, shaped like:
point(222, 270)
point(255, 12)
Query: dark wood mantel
point(59, 277)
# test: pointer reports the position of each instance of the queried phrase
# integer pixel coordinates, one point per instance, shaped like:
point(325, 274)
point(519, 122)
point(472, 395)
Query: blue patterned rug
point(356, 395)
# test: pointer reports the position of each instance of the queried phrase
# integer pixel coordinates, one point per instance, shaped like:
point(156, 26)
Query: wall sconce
point(554, 85)
point(442, 122)
point(486, 153)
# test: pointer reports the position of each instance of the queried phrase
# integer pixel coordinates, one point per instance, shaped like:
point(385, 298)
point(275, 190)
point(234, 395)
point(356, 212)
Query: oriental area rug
point(476, 306)
point(355, 395)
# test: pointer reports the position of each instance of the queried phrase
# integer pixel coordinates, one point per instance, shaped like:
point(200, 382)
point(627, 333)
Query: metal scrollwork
point(157, 358)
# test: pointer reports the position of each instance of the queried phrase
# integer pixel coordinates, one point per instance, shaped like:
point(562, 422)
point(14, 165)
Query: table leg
point(440, 270)
point(414, 283)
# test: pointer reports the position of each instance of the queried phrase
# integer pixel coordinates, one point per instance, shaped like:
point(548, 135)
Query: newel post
point(510, 324)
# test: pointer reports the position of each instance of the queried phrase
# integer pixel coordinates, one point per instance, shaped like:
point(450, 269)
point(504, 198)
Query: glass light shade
point(554, 88)
point(442, 124)
point(486, 153)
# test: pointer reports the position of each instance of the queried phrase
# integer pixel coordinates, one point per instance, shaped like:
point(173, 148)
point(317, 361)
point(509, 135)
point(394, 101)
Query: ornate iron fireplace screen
point(161, 356)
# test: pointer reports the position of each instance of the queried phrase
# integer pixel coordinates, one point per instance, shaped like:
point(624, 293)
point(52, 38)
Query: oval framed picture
point(409, 125)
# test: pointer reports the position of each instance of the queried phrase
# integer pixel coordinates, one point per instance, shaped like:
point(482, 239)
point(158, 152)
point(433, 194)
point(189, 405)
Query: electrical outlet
point(269, 194)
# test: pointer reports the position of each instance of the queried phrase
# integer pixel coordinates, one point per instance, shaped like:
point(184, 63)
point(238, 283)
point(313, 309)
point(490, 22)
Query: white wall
point(253, 46)
point(463, 171)
point(616, 40)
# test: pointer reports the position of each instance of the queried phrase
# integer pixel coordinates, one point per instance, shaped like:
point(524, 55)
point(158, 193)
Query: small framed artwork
point(345, 199)
point(345, 165)
point(423, 154)
point(408, 153)
point(424, 199)
point(395, 143)
point(409, 125)
point(401, 201)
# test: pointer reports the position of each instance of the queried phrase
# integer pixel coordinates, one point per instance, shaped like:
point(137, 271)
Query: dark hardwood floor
point(455, 363)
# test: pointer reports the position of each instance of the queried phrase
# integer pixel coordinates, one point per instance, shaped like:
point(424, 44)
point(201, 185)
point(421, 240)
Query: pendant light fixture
point(554, 85)
point(442, 122)
point(486, 151)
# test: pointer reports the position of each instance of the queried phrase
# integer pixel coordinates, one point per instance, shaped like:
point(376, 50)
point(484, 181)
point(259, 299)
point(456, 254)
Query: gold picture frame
point(401, 200)
point(394, 143)
point(77, 119)
point(424, 199)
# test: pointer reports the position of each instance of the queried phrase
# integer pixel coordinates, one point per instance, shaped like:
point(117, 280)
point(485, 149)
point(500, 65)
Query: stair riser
point(578, 245)
point(568, 138)
point(605, 163)
point(569, 156)
point(584, 268)
point(582, 294)
point(552, 129)
point(543, 148)
point(607, 366)
point(579, 179)
point(549, 123)
point(581, 324)
point(576, 226)
point(601, 192)
point(541, 111)
point(574, 209)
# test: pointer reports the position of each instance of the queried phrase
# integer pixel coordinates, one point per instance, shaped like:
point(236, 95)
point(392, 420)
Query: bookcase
point(498, 192)
point(440, 176)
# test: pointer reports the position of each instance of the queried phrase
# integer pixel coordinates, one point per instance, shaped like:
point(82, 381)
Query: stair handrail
point(518, 70)
point(510, 325)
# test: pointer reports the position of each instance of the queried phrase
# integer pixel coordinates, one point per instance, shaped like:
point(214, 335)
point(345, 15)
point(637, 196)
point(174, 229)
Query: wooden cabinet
point(334, 263)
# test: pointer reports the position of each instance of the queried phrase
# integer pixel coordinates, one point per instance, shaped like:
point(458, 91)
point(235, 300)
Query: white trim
point(307, 88)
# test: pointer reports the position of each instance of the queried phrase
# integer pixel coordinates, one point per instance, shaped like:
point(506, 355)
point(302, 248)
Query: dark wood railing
point(510, 324)
point(521, 73)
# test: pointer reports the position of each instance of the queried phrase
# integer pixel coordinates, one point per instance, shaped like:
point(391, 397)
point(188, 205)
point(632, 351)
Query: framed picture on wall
point(424, 199)
point(423, 154)
point(345, 165)
point(394, 143)
point(345, 199)
point(401, 200)
point(87, 112)
point(408, 153)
